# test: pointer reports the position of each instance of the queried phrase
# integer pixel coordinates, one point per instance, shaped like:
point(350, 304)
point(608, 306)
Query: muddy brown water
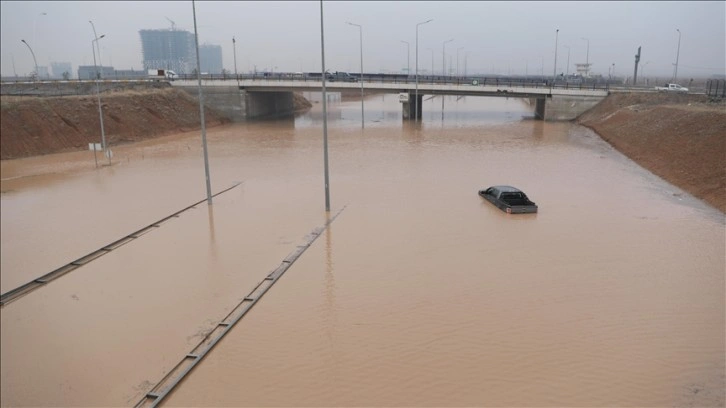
point(419, 294)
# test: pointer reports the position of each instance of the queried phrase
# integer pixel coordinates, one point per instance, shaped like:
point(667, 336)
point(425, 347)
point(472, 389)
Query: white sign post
point(95, 147)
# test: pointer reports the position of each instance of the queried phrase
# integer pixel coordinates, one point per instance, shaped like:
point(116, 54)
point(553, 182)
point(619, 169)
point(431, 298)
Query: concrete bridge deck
point(502, 90)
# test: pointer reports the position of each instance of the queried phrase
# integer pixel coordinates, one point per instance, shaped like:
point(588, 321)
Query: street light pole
point(466, 57)
point(432, 63)
point(325, 112)
point(678, 53)
point(362, 111)
point(568, 61)
point(416, 107)
point(98, 98)
point(99, 50)
point(443, 59)
point(234, 51)
point(408, 58)
point(236, 75)
point(587, 58)
point(201, 108)
point(554, 74)
point(457, 60)
point(34, 60)
point(443, 73)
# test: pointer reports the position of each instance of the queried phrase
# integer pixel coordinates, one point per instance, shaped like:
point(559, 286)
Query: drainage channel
point(191, 359)
point(36, 283)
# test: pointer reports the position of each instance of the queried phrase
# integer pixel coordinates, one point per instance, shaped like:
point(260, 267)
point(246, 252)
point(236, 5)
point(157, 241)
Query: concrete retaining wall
point(560, 107)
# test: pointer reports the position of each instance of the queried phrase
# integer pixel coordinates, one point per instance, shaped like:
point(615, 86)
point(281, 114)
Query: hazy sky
point(499, 37)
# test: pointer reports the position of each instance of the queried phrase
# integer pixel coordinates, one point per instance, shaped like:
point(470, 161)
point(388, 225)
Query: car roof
point(507, 189)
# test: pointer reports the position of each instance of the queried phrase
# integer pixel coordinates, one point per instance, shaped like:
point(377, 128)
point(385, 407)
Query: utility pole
point(678, 53)
point(635, 73)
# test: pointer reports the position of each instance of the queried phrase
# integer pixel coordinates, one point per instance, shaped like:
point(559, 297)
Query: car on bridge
point(671, 88)
point(340, 77)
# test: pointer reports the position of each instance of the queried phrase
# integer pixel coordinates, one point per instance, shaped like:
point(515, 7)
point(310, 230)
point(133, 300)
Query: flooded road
point(419, 294)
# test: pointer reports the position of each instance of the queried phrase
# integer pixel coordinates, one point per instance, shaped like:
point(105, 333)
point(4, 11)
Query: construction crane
point(173, 24)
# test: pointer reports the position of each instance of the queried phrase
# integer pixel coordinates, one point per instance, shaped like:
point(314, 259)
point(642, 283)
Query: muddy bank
point(32, 126)
point(681, 138)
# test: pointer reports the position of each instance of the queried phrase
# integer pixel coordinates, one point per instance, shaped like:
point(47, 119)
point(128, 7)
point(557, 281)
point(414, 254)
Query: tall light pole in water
point(33, 54)
point(678, 53)
point(416, 107)
point(554, 74)
point(325, 112)
point(236, 75)
point(98, 98)
point(408, 58)
point(234, 51)
point(362, 112)
point(201, 108)
point(443, 72)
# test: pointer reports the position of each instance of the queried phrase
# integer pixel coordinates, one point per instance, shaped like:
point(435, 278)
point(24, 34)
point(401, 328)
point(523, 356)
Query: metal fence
point(716, 88)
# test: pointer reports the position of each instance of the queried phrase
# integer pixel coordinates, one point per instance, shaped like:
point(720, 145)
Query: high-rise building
point(210, 58)
point(168, 49)
point(59, 68)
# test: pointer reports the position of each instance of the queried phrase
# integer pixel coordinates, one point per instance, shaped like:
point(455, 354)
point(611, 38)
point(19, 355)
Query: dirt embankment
point(31, 126)
point(681, 138)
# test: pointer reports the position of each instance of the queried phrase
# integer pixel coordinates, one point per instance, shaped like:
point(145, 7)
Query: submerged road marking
point(191, 359)
point(36, 283)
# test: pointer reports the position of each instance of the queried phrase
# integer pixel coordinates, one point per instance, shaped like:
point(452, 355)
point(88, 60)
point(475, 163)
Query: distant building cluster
point(175, 50)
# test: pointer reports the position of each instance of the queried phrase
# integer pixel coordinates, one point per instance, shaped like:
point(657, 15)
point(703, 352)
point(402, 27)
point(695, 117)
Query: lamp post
point(457, 60)
point(587, 57)
point(98, 98)
point(416, 107)
point(234, 52)
point(443, 69)
point(567, 69)
point(201, 108)
point(678, 53)
point(99, 50)
point(34, 60)
point(554, 73)
point(35, 24)
point(443, 60)
point(613, 69)
point(432, 63)
point(642, 72)
point(408, 58)
point(362, 113)
point(325, 112)
point(466, 57)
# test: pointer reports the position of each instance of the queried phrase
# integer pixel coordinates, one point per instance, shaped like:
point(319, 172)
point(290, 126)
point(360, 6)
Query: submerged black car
point(509, 199)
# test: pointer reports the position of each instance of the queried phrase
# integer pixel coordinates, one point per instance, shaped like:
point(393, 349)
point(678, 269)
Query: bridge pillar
point(539, 108)
point(411, 104)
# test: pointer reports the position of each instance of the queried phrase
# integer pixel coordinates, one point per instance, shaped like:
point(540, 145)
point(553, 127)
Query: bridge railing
point(536, 82)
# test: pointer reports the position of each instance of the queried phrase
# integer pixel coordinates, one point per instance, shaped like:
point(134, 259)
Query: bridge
point(262, 97)
point(269, 95)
